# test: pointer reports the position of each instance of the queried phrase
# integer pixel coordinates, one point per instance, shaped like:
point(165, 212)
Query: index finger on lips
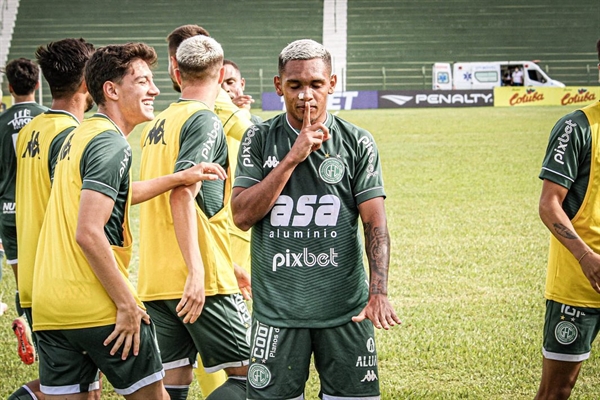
point(306, 120)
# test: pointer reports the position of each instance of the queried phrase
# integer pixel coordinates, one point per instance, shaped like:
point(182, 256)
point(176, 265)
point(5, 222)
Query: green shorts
point(221, 334)
point(569, 331)
point(8, 233)
point(345, 358)
point(70, 360)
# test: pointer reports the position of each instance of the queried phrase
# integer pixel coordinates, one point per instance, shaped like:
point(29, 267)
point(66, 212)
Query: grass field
point(468, 258)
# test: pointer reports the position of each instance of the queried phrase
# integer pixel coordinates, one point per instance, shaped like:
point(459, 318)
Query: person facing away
point(186, 273)
point(23, 79)
point(568, 207)
point(38, 144)
point(235, 122)
point(304, 179)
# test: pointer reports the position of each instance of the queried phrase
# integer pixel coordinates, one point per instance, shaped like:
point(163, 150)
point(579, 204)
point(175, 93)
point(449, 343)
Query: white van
point(487, 75)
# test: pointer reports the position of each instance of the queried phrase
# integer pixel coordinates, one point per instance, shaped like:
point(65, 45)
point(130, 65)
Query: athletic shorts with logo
point(70, 360)
point(569, 331)
point(345, 358)
point(220, 335)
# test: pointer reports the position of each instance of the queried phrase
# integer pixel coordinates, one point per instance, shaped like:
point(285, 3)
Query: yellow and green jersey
point(66, 293)
point(572, 161)
point(183, 135)
point(307, 256)
point(38, 145)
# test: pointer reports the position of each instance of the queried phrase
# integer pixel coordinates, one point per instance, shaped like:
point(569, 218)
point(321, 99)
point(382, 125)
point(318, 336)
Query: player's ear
point(332, 83)
point(110, 91)
point(221, 75)
point(277, 83)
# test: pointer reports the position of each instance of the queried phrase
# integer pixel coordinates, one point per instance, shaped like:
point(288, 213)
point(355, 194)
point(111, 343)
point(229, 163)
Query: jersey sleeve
point(368, 181)
point(198, 140)
point(105, 163)
point(249, 169)
point(55, 149)
point(569, 143)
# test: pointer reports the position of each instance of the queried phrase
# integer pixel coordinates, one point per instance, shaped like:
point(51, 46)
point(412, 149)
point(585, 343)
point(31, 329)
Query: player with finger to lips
point(303, 180)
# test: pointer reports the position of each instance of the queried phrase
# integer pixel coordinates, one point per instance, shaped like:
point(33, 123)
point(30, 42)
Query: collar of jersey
point(51, 111)
point(100, 115)
point(298, 130)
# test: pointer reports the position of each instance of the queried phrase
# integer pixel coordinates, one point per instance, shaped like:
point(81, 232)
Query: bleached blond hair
point(199, 57)
point(303, 49)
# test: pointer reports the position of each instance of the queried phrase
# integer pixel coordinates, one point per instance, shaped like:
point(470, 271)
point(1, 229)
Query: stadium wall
point(391, 45)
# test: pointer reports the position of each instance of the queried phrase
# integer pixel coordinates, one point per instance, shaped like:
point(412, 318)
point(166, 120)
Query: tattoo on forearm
point(377, 244)
point(563, 231)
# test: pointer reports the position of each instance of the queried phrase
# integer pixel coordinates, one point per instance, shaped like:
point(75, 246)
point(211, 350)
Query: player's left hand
point(243, 101)
point(379, 311)
point(202, 172)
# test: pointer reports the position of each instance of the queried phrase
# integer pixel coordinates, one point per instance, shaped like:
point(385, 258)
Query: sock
point(22, 393)
point(232, 389)
point(18, 304)
point(178, 392)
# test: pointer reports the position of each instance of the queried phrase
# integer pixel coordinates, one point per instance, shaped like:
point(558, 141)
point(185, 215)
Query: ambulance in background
point(487, 75)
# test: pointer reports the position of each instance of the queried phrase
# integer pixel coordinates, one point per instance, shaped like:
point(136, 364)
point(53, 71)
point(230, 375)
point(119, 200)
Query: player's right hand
point(127, 331)
point(310, 137)
point(192, 302)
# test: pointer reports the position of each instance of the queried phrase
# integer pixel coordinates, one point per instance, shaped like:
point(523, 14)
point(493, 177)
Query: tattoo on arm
point(563, 231)
point(377, 244)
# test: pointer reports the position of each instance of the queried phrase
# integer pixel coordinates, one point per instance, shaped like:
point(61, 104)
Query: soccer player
point(186, 275)
point(86, 313)
point(303, 180)
point(235, 122)
point(234, 84)
point(569, 208)
point(62, 64)
point(23, 79)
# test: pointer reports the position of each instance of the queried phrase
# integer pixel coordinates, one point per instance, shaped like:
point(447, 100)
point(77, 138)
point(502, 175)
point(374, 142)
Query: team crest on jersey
point(259, 376)
point(565, 332)
point(331, 170)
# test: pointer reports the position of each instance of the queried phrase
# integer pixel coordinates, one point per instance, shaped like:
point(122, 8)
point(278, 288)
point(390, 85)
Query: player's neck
point(72, 105)
point(204, 92)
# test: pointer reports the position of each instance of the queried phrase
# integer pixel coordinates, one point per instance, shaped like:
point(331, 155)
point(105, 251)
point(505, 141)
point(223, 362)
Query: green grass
point(468, 256)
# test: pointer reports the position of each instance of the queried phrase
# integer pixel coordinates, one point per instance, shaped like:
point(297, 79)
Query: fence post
point(424, 78)
point(384, 78)
point(260, 84)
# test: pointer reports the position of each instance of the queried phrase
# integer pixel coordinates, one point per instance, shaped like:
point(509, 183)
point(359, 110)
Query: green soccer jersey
point(11, 122)
point(307, 264)
point(568, 158)
point(202, 140)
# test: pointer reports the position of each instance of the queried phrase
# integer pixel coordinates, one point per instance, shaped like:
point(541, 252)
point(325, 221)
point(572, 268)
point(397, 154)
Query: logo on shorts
point(331, 170)
point(259, 376)
point(565, 332)
point(370, 376)
point(371, 345)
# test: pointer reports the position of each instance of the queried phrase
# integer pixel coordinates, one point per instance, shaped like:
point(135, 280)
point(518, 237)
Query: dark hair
point(229, 62)
point(598, 49)
point(180, 34)
point(23, 76)
point(62, 63)
point(112, 63)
